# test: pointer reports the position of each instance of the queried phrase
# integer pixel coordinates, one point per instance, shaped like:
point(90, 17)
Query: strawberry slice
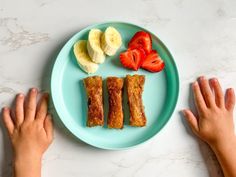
point(141, 39)
point(132, 58)
point(153, 62)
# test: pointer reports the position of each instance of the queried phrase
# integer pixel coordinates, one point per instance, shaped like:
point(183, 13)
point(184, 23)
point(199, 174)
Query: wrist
point(27, 157)
point(26, 160)
point(27, 166)
point(225, 145)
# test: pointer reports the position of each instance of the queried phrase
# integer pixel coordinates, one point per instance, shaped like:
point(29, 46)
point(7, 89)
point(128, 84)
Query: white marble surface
point(201, 34)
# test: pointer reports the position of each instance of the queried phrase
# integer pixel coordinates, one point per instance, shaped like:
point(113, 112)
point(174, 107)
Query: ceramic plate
point(69, 97)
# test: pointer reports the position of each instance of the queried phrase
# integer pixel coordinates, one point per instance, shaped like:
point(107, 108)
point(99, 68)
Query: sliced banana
point(83, 59)
point(111, 41)
point(94, 48)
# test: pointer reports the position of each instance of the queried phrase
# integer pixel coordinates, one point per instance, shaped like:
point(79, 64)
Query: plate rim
point(170, 112)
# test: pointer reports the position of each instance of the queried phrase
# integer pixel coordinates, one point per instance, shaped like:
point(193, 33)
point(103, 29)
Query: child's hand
point(29, 126)
point(214, 122)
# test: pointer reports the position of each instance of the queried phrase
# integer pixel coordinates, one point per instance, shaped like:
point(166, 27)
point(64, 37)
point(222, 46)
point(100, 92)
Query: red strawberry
point(153, 62)
point(132, 58)
point(141, 39)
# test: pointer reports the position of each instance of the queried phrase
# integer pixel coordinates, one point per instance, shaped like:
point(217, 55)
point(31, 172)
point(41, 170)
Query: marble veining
point(7, 90)
point(154, 20)
point(16, 36)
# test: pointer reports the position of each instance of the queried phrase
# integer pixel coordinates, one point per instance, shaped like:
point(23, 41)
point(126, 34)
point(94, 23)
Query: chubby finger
point(8, 122)
point(198, 98)
point(191, 119)
point(219, 96)
point(30, 104)
point(42, 108)
point(48, 126)
point(19, 109)
point(230, 99)
point(206, 91)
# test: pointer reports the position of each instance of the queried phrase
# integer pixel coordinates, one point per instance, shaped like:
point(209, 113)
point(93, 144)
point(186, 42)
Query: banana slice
point(111, 41)
point(94, 48)
point(83, 59)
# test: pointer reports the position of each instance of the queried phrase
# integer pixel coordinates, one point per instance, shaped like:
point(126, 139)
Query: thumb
point(191, 119)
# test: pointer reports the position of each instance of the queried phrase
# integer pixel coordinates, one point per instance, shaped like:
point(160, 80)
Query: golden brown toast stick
point(93, 87)
point(115, 92)
point(135, 86)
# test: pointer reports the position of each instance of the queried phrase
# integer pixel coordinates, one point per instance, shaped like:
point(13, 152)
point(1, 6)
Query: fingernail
point(5, 109)
point(20, 95)
point(202, 77)
point(194, 83)
point(34, 90)
point(214, 79)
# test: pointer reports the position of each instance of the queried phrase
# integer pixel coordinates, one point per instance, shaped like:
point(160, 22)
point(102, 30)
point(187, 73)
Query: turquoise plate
point(69, 97)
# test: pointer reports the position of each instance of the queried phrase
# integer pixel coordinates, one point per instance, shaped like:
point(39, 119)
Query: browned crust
point(135, 86)
point(93, 87)
point(115, 92)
